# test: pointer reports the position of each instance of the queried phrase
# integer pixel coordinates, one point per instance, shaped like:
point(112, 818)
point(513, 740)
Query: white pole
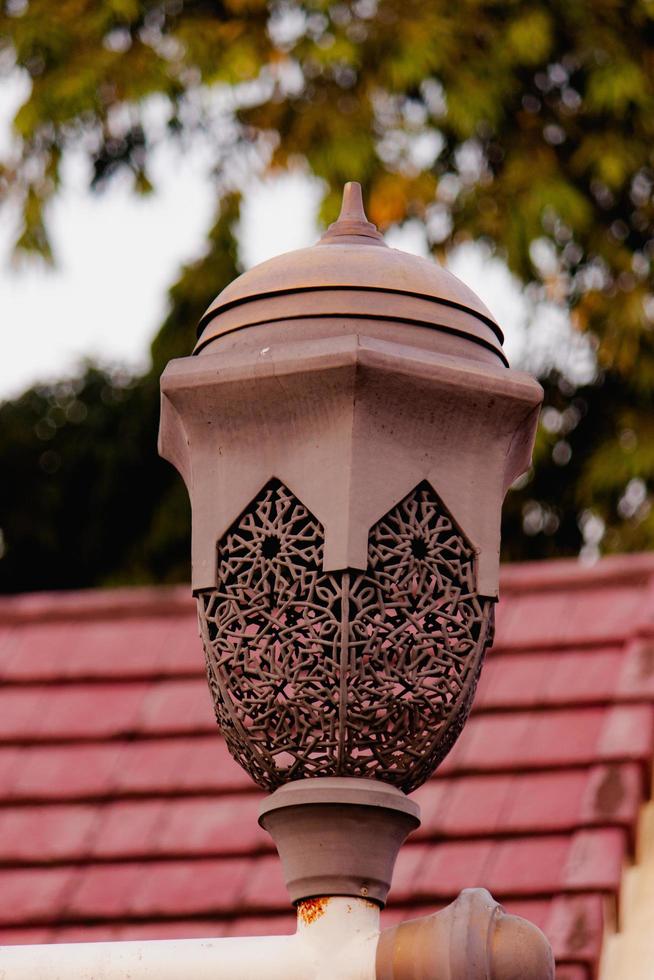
point(336, 939)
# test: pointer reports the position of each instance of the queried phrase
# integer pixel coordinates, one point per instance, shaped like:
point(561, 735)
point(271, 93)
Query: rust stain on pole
point(311, 909)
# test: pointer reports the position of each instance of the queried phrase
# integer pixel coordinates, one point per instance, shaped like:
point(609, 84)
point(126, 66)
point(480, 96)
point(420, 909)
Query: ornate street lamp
point(347, 428)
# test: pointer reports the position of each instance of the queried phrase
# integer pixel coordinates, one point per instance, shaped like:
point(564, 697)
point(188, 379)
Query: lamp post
point(347, 427)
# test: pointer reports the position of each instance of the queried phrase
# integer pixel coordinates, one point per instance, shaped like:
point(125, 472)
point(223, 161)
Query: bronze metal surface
point(338, 836)
point(347, 430)
point(367, 674)
point(352, 265)
point(346, 491)
point(356, 304)
point(353, 261)
point(471, 939)
point(351, 424)
point(352, 224)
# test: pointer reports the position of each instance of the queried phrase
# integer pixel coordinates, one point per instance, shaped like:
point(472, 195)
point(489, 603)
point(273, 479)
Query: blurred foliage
point(76, 516)
point(529, 125)
point(86, 500)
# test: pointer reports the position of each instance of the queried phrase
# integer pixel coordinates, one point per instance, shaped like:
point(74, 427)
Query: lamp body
point(347, 429)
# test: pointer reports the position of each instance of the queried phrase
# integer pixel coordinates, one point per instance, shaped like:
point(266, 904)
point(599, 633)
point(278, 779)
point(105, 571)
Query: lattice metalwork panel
point(353, 673)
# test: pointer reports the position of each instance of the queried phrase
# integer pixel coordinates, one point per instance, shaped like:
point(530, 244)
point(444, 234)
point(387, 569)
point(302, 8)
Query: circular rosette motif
point(349, 673)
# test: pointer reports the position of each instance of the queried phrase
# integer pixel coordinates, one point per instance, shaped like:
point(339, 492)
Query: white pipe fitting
point(335, 938)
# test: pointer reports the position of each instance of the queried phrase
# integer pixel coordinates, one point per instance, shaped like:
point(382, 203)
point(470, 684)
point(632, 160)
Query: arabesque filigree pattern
point(367, 674)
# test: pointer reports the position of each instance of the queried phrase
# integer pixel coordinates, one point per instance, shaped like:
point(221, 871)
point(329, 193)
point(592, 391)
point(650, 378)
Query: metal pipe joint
point(471, 939)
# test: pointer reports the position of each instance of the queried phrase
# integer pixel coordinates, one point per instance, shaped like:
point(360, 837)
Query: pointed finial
point(352, 206)
point(352, 225)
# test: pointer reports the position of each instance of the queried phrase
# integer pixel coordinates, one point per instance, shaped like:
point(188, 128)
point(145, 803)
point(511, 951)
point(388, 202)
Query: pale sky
point(117, 254)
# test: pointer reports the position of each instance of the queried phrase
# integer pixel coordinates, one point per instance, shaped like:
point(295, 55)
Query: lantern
point(347, 427)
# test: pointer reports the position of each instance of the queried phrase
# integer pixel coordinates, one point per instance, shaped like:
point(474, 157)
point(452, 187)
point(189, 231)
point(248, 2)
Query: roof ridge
point(558, 573)
point(78, 604)
point(175, 600)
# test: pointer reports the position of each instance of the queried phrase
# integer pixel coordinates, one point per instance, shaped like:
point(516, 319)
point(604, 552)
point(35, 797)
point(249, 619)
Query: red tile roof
point(123, 815)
